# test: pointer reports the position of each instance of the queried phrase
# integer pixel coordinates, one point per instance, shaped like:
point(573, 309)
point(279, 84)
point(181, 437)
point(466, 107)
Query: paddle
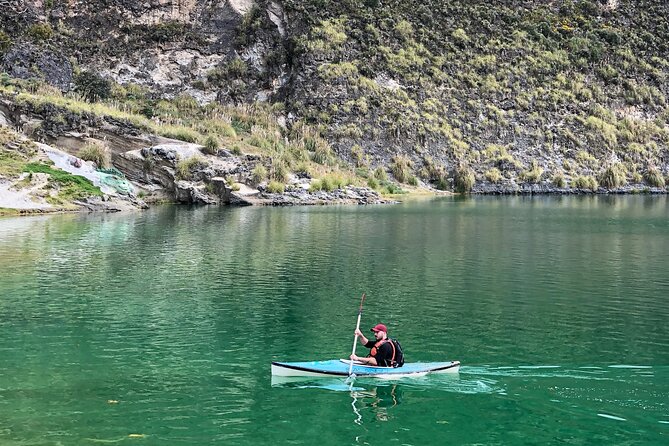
point(355, 337)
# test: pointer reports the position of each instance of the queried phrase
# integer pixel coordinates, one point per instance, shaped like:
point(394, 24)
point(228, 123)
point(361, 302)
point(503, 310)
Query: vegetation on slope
point(244, 129)
point(573, 85)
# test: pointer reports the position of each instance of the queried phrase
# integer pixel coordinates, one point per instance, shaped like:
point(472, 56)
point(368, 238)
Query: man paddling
point(382, 352)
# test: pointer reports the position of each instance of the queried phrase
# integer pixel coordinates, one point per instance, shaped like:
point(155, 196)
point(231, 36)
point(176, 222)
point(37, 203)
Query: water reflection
point(367, 397)
point(379, 400)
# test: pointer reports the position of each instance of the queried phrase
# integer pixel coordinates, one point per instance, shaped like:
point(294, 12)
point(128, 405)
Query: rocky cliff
point(491, 96)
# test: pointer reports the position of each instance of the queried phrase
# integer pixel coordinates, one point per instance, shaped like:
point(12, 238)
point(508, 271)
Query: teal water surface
point(158, 328)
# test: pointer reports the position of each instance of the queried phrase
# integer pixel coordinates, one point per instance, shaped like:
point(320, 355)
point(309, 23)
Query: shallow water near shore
point(159, 327)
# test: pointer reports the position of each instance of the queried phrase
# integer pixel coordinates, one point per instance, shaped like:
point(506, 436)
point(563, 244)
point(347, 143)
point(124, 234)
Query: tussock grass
point(614, 175)
point(493, 175)
point(211, 145)
point(330, 182)
point(585, 182)
point(185, 168)
point(654, 177)
point(464, 179)
point(275, 187)
point(12, 163)
point(181, 133)
point(97, 153)
point(259, 174)
point(533, 174)
point(400, 166)
point(558, 180)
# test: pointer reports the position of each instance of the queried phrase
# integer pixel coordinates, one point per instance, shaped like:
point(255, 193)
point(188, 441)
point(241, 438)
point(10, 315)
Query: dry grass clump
point(614, 175)
point(97, 153)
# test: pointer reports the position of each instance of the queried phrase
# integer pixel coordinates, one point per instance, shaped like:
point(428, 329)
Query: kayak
point(340, 367)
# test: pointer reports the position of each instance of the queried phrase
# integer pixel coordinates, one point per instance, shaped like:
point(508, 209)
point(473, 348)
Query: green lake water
point(158, 327)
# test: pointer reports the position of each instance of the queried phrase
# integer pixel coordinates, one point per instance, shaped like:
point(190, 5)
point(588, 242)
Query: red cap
point(380, 327)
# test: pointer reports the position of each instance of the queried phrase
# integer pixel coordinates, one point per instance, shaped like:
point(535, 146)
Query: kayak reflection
point(380, 399)
point(367, 396)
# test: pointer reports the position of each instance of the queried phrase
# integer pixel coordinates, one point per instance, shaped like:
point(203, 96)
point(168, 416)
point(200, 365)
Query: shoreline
point(285, 200)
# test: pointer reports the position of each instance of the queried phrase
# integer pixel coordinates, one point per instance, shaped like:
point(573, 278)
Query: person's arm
point(362, 337)
point(369, 361)
point(365, 360)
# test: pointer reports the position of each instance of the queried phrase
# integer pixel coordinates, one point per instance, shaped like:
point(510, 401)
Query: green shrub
point(236, 68)
point(97, 153)
point(441, 181)
point(585, 182)
point(40, 31)
point(211, 145)
point(464, 179)
point(615, 175)
point(404, 29)
point(274, 187)
point(460, 35)
point(258, 174)
point(372, 183)
point(92, 87)
point(412, 181)
point(166, 31)
point(654, 177)
point(393, 189)
point(236, 150)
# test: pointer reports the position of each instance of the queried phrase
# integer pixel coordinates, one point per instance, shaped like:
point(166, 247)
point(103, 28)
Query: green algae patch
point(71, 187)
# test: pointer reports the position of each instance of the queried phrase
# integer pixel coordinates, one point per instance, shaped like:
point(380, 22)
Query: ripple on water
point(610, 417)
point(626, 366)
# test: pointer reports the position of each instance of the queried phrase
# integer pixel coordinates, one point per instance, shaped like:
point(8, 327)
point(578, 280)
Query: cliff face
point(169, 46)
point(501, 93)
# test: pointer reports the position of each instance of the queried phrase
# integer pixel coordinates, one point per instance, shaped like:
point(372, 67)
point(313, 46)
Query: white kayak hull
point(336, 367)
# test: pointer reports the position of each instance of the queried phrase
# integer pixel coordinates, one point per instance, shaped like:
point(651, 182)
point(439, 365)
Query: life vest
point(393, 362)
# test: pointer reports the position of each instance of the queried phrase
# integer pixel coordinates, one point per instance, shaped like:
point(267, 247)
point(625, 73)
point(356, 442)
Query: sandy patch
point(20, 199)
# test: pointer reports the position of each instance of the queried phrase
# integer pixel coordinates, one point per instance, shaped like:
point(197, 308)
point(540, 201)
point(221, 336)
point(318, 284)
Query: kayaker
point(381, 354)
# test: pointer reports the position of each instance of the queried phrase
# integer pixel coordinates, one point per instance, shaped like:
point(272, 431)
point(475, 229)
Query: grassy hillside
point(527, 90)
point(253, 132)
